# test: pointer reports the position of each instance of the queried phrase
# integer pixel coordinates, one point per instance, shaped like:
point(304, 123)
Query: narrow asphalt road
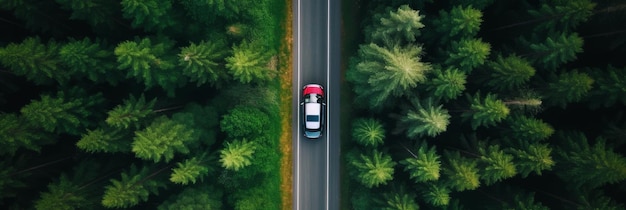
point(317, 60)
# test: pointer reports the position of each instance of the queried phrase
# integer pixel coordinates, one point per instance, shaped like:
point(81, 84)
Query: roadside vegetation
point(484, 105)
point(137, 104)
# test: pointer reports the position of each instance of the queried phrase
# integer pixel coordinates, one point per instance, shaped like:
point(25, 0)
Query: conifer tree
point(468, 53)
point(524, 201)
point(162, 139)
point(509, 73)
point(374, 169)
point(133, 187)
point(562, 15)
point(244, 121)
point(203, 62)
point(528, 129)
point(88, 58)
point(104, 139)
point(203, 119)
point(16, 133)
point(400, 26)
point(368, 132)
point(556, 50)
point(196, 197)
point(447, 84)
point(10, 182)
point(478, 4)
point(191, 170)
point(461, 173)
point(485, 112)
point(149, 14)
point(577, 156)
point(399, 200)
point(436, 194)
point(43, 17)
point(425, 120)
point(131, 112)
point(237, 154)
point(458, 23)
point(595, 199)
point(568, 87)
point(249, 64)
point(34, 60)
point(532, 157)
point(497, 164)
point(608, 87)
point(425, 165)
point(384, 72)
point(72, 191)
point(97, 13)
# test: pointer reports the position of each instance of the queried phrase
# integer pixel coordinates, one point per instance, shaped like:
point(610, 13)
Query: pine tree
point(190, 170)
point(461, 173)
point(425, 165)
point(563, 15)
point(35, 60)
point(203, 119)
point(203, 62)
point(196, 197)
point(447, 84)
point(459, 23)
point(436, 194)
point(577, 156)
point(497, 164)
point(44, 17)
point(486, 112)
point(16, 133)
point(244, 121)
point(468, 53)
point(384, 72)
point(104, 139)
point(368, 132)
point(72, 191)
point(425, 120)
point(149, 14)
point(399, 200)
point(400, 26)
point(609, 86)
point(237, 154)
point(10, 182)
point(249, 64)
point(524, 201)
point(97, 13)
point(374, 169)
point(131, 113)
point(529, 129)
point(162, 139)
point(509, 73)
point(532, 157)
point(133, 187)
point(568, 87)
point(556, 50)
point(88, 58)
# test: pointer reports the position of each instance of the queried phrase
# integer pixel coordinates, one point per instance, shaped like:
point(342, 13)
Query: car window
point(312, 118)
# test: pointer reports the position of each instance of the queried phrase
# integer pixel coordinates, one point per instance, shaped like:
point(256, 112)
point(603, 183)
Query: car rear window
point(312, 118)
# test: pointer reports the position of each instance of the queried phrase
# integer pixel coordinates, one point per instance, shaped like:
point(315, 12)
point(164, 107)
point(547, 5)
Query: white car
point(313, 107)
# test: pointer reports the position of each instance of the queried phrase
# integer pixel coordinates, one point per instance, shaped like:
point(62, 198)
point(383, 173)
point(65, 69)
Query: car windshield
point(312, 118)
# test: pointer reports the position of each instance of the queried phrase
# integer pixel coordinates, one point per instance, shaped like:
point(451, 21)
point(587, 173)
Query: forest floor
point(286, 76)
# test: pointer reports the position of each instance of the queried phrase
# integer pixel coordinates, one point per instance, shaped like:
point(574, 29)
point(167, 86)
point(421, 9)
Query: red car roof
point(317, 89)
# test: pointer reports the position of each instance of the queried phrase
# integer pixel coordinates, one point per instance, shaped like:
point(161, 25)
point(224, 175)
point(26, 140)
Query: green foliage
point(203, 62)
point(399, 200)
point(383, 72)
point(609, 87)
point(594, 199)
point(149, 14)
point(524, 201)
point(485, 112)
point(34, 60)
point(400, 26)
point(447, 84)
point(104, 140)
point(374, 169)
point(461, 173)
point(191, 198)
point(478, 4)
point(436, 194)
point(162, 139)
point(563, 15)
point(460, 22)
point(425, 165)
point(203, 119)
point(468, 53)
point(497, 164)
point(249, 64)
point(134, 186)
point(532, 157)
point(17, 133)
point(237, 154)
point(509, 73)
point(62, 195)
point(425, 120)
point(568, 87)
point(368, 132)
point(87, 57)
point(132, 112)
point(257, 197)
point(556, 50)
point(189, 171)
point(96, 12)
point(244, 121)
point(529, 129)
point(577, 156)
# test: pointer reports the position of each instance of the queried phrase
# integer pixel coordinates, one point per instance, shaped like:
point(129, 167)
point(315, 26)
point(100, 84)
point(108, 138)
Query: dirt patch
point(286, 76)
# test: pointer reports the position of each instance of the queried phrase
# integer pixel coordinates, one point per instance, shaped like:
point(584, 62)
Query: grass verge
point(286, 74)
